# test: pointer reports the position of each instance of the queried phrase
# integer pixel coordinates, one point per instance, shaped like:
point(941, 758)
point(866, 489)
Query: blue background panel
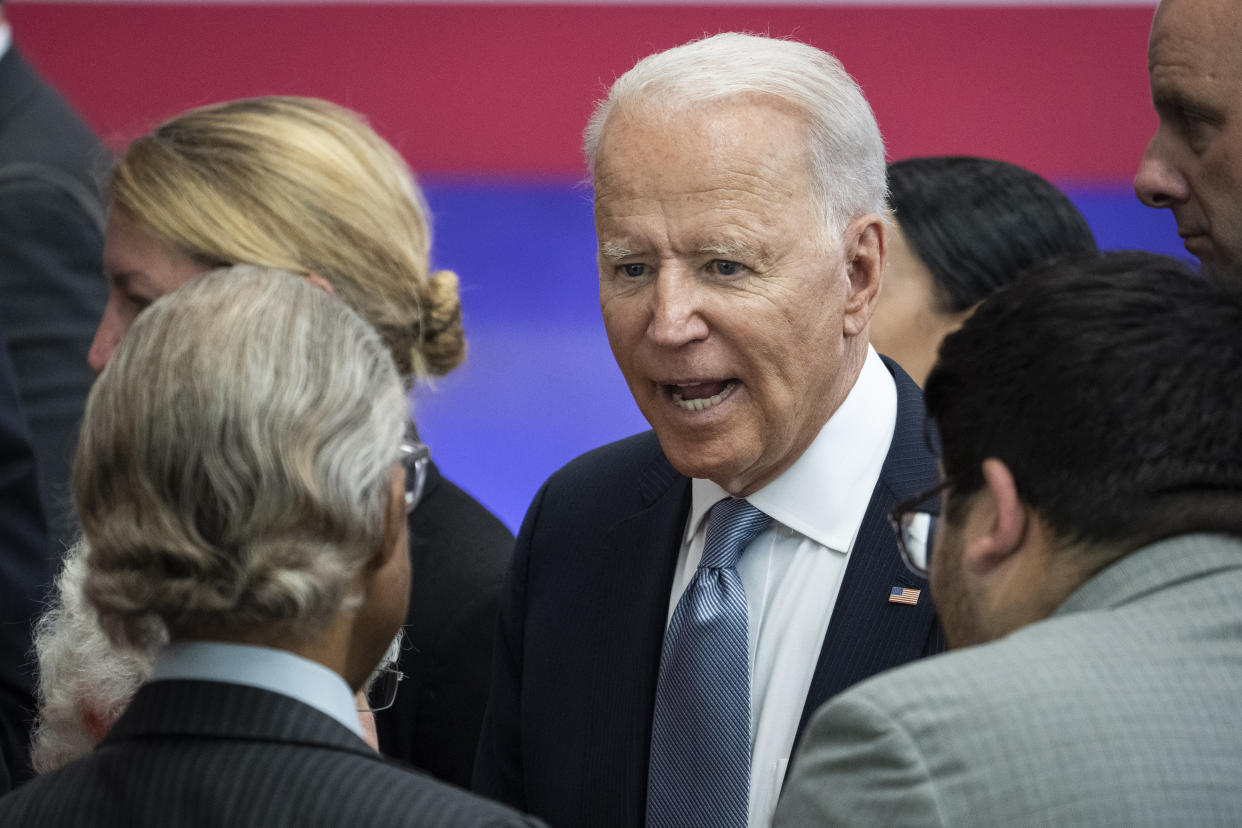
point(540, 386)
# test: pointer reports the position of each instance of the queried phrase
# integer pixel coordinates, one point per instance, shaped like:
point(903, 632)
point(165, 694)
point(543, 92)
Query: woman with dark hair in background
point(962, 228)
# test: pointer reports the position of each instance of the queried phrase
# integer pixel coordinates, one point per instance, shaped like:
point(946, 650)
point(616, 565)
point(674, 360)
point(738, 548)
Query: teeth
point(705, 402)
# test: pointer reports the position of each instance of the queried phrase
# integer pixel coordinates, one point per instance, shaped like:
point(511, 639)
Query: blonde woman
point(306, 186)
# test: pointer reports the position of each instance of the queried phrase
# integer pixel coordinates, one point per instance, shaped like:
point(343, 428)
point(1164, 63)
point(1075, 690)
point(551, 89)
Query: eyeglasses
point(914, 522)
point(382, 691)
point(415, 456)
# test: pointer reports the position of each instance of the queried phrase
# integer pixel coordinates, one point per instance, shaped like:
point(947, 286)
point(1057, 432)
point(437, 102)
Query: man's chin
point(1220, 268)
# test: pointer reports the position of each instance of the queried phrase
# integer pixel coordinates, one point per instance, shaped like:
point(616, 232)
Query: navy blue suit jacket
point(568, 727)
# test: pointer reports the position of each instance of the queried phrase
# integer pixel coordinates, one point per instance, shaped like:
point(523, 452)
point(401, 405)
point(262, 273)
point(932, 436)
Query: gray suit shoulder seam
point(896, 726)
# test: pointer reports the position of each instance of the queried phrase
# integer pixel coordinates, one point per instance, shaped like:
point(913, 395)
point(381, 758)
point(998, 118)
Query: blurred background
point(487, 102)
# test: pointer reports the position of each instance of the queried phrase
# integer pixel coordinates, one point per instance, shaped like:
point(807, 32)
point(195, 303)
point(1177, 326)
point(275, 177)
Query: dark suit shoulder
point(452, 519)
point(609, 483)
point(38, 126)
point(459, 552)
point(618, 460)
point(201, 782)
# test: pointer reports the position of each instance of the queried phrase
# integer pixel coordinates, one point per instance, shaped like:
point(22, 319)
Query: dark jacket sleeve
point(51, 248)
point(25, 573)
point(498, 765)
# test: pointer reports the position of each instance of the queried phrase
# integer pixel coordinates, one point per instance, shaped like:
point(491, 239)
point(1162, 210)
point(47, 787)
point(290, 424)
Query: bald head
point(1193, 164)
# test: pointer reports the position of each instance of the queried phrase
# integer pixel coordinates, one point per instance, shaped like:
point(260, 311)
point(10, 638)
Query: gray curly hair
point(234, 462)
point(81, 675)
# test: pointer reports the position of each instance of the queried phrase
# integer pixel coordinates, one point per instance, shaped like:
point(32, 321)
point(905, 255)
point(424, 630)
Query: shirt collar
point(6, 39)
point(824, 494)
point(277, 671)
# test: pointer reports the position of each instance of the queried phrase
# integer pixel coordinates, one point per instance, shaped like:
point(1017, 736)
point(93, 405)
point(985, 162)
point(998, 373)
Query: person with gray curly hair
point(240, 483)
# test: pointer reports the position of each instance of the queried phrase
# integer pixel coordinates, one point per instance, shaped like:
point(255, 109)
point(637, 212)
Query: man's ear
point(864, 261)
point(1003, 519)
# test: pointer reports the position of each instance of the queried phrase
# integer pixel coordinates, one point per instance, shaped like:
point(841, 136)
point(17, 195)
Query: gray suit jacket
point(1124, 708)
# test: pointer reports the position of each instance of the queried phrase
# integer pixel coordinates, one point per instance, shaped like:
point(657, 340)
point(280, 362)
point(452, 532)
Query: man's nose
point(1158, 182)
point(677, 313)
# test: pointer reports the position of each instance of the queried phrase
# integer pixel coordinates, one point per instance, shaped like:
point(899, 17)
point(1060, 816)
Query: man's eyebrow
point(613, 251)
point(733, 249)
point(1183, 100)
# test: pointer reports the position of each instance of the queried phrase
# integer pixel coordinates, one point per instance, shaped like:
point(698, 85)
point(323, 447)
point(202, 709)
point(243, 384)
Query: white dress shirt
point(6, 38)
point(278, 671)
point(792, 572)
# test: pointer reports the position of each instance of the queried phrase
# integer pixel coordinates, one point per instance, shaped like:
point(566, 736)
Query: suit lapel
point(867, 633)
point(640, 554)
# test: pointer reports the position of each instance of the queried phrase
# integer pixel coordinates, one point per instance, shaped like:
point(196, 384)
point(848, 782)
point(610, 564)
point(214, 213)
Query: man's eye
point(724, 267)
point(633, 269)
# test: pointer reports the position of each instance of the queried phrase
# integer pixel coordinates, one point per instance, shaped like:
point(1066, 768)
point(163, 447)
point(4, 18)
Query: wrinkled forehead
point(1206, 33)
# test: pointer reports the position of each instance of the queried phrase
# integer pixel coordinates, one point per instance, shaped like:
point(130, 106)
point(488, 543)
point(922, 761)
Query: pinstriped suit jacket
point(201, 753)
point(568, 726)
point(1122, 709)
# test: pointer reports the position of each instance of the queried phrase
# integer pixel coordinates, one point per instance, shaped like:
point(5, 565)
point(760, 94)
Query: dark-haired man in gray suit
point(1088, 562)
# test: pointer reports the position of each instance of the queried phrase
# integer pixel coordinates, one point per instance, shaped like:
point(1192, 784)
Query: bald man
point(1193, 164)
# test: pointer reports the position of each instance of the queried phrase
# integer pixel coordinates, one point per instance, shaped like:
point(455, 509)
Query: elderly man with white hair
point(240, 482)
point(680, 601)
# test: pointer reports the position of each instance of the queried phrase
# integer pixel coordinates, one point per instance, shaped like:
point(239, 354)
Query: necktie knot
point(732, 525)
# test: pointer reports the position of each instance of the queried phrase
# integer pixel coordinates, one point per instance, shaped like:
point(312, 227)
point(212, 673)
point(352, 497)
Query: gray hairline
point(847, 152)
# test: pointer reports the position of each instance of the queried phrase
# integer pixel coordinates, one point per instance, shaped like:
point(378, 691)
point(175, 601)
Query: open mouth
point(701, 396)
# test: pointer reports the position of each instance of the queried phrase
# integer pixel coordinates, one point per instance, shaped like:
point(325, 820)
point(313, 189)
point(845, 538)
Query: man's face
point(734, 320)
point(140, 269)
point(1193, 164)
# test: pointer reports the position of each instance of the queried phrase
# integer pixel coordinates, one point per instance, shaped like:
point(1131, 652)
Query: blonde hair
point(306, 186)
point(235, 460)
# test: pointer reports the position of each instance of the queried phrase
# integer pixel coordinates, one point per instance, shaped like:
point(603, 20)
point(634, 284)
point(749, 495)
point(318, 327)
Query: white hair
point(80, 673)
point(847, 152)
point(235, 460)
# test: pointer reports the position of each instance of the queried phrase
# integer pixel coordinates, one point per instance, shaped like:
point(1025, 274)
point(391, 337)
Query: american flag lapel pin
point(904, 595)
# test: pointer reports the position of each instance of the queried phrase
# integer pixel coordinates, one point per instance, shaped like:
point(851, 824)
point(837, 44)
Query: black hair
point(976, 223)
point(1111, 386)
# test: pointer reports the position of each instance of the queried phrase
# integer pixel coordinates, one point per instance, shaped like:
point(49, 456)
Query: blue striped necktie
point(700, 735)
